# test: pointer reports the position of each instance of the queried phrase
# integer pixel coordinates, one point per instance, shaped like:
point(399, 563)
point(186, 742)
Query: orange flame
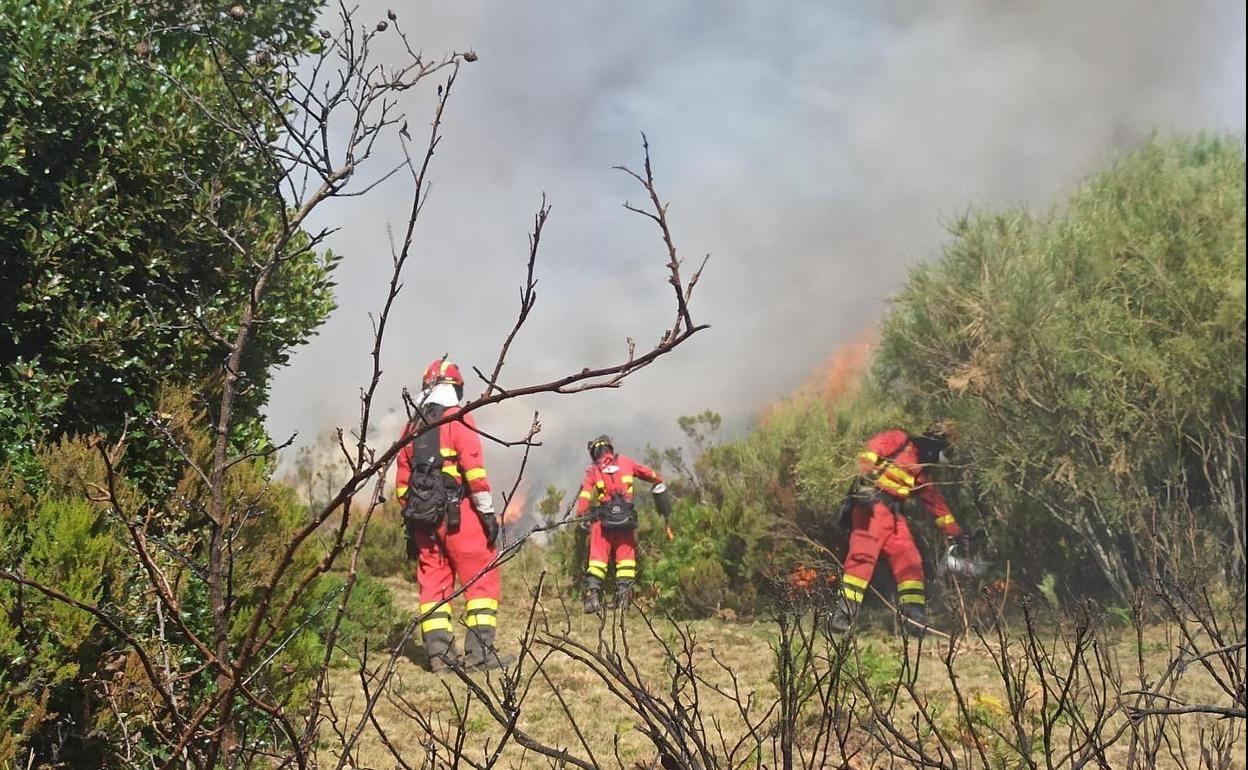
point(805, 580)
point(514, 510)
point(835, 379)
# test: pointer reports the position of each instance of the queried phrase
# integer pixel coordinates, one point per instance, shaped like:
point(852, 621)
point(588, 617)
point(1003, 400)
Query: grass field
point(568, 704)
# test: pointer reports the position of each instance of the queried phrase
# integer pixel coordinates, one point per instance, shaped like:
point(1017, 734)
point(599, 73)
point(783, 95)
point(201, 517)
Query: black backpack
point(431, 494)
point(617, 513)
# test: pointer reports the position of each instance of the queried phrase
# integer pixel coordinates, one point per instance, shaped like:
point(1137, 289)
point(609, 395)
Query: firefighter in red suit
point(453, 553)
point(607, 493)
point(895, 466)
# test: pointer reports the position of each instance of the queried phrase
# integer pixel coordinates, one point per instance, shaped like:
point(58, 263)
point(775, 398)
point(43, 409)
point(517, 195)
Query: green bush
point(370, 618)
point(1094, 358)
point(385, 545)
point(48, 648)
point(55, 659)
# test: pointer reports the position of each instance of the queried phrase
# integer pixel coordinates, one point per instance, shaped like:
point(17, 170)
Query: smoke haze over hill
point(812, 148)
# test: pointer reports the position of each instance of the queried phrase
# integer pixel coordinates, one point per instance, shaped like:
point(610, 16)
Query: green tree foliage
point(129, 220)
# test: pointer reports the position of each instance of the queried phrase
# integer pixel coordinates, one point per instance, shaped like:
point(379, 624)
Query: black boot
point(593, 605)
point(440, 647)
point(623, 595)
point(480, 653)
point(842, 618)
point(913, 620)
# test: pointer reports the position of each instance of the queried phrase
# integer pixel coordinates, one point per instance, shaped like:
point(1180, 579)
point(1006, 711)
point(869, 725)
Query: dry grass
point(566, 693)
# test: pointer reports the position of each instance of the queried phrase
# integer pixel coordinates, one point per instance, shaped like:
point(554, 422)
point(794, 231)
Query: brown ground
point(611, 729)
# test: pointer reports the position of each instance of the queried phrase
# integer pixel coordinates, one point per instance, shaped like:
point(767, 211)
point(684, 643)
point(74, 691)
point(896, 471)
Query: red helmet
point(441, 371)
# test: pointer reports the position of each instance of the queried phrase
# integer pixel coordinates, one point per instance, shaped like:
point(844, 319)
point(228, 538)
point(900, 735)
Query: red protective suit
point(447, 557)
point(891, 460)
point(611, 475)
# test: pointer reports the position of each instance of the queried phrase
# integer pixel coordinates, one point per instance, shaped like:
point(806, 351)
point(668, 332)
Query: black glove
point(489, 524)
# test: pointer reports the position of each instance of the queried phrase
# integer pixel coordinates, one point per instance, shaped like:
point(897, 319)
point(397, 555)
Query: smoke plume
point(812, 148)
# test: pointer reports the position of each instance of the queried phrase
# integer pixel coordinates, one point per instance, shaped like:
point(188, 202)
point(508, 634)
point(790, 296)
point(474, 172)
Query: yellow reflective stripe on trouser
point(911, 592)
point(481, 612)
point(626, 569)
point(597, 569)
point(439, 616)
point(944, 521)
point(853, 588)
point(472, 474)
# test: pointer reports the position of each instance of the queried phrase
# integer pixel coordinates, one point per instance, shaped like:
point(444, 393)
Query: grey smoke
point(813, 148)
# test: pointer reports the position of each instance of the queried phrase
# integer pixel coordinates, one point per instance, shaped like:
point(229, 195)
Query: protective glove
point(489, 524)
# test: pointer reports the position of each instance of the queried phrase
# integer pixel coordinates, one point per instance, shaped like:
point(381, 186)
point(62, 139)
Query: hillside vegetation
point(1093, 360)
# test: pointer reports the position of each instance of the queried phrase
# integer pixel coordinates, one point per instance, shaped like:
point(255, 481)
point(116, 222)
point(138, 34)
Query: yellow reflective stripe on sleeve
point(486, 603)
point(856, 582)
point(870, 457)
point(475, 473)
point(944, 521)
point(601, 484)
point(626, 479)
point(910, 585)
point(400, 491)
point(585, 495)
point(448, 452)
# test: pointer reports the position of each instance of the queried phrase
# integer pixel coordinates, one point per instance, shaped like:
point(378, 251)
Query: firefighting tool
point(663, 504)
point(958, 560)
